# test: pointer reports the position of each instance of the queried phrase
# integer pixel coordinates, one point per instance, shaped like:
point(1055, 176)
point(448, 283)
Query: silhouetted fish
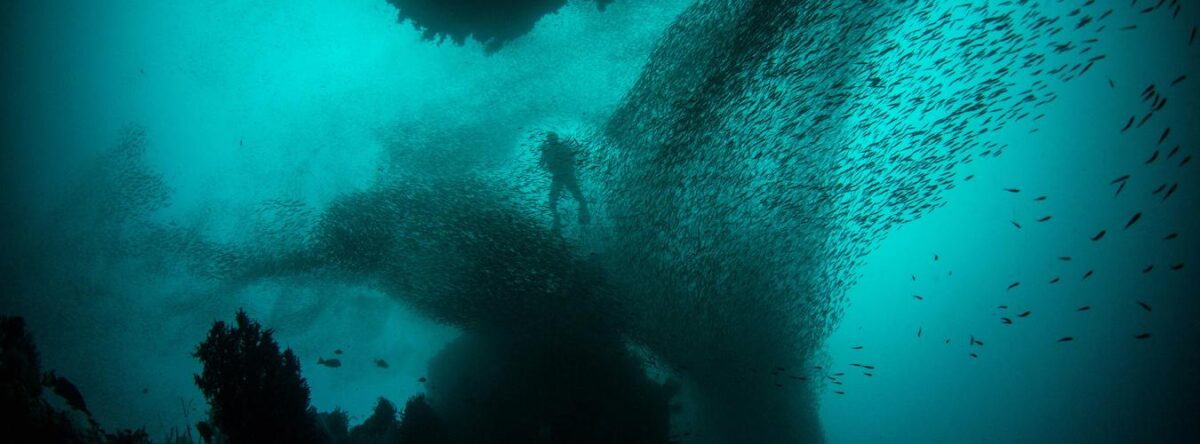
point(1039, 198)
point(1015, 224)
point(1130, 124)
point(1177, 267)
point(919, 331)
point(1099, 235)
point(1145, 118)
point(1055, 280)
point(1178, 80)
point(1171, 190)
point(1119, 179)
point(1087, 274)
point(331, 363)
point(337, 352)
point(857, 347)
point(1005, 320)
point(1171, 236)
point(1084, 308)
point(1142, 336)
point(1133, 220)
point(1064, 258)
point(1147, 269)
point(1013, 190)
point(1013, 285)
point(1066, 339)
point(1044, 218)
point(918, 297)
point(1165, 133)
point(1152, 157)
point(381, 363)
point(1144, 305)
point(422, 379)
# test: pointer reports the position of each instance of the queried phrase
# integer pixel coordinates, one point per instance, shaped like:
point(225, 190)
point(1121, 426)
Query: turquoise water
point(766, 185)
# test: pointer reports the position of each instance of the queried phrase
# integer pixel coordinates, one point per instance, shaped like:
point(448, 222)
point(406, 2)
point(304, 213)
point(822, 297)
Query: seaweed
point(420, 423)
point(255, 392)
point(381, 427)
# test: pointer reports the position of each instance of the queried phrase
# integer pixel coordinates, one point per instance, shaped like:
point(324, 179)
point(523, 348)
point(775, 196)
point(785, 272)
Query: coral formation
point(489, 22)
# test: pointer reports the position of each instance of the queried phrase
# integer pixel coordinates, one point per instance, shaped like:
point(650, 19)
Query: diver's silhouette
point(559, 159)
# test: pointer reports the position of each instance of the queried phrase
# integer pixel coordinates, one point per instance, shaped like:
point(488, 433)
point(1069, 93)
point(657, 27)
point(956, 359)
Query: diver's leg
point(573, 188)
point(555, 192)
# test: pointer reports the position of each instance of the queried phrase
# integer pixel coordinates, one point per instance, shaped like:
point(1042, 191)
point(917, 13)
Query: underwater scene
point(600, 221)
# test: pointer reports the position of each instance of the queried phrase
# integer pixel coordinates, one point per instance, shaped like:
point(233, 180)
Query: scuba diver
point(559, 160)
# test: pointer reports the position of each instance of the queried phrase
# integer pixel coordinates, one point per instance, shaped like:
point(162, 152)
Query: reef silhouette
point(490, 22)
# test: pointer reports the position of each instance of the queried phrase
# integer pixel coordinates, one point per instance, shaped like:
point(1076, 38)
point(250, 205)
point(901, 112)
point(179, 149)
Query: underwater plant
point(255, 392)
point(420, 423)
point(381, 427)
point(335, 425)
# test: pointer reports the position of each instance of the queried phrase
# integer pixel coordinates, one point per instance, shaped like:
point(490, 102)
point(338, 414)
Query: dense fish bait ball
point(768, 146)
